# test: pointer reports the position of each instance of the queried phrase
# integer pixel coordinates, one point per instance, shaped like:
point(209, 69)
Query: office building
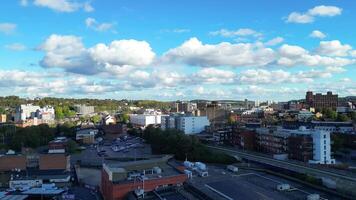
point(84, 109)
point(143, 120)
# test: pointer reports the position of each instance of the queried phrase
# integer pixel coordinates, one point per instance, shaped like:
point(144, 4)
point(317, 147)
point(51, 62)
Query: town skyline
point(222, 50)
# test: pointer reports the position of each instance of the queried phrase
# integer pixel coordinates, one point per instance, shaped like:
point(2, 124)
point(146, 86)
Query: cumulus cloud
point(333, 48)
point(234, 33)
point(15, 47)
point(213, 76)
point(7, 28)
point(292, 55)
point(309, 16)
point(68, 52)
point(317, 34)
point(101, 27)
point(64, 5)
point(274, 41)
point(194, 52)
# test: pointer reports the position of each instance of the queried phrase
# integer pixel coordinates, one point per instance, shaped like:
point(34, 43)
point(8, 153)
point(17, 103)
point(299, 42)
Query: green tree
point(59, 112)
point(342, 118)
point(329, 113)
point(72, 146)
point(96, 119)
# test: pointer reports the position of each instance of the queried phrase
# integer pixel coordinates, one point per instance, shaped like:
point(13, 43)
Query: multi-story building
point(186, 107)
point(143, 120)
point(84, 109)
point(300, 147)
point(320, 101)
point(272, 141)
point(185, 123)
point(28, 112)
point(24, 112)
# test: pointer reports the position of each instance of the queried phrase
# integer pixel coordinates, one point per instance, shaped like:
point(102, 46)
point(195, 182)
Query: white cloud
point(7, 28)
point(322, 10)
point(119, 57)
point(317, 34)
point(309, 16)
point(290, 55)
point(101, 27)
point(194, 52)
point(353, 53)
point(234, 33)
point(213, 76)
point(23, 2)
point(16, 47)
point(274, 41)
point(88, 7)
point(333, 48)
point(296, 17)
point(64, 5)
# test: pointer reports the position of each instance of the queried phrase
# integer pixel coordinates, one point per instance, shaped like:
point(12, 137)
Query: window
point(324, 136)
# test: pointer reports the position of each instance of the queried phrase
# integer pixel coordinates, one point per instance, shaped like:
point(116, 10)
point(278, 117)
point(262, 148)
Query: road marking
point(219, 193)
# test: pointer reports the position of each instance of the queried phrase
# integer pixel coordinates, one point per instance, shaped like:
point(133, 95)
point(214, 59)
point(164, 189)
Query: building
point(2, 118)
point(334, 127)
point(272, 141)
point(320, 101)
point(11, 162)
point(24, 112)
point(30, 115)
point(107, 120)
point(300, 147)
point(58, 145)
point(86, 136)
point(84, 109)
point(143, 120)
point(185, 123)
point(186, 107)
point(118, 180)
point(304, 115)
point(54, 162)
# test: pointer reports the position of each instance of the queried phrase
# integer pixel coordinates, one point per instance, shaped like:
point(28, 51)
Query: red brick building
point(300, 147)
point(320, 101)
point(10, 162)
point(54, 161)
point(118, 181)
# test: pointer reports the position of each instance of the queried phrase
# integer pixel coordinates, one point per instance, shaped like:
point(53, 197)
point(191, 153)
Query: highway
point(285, 164)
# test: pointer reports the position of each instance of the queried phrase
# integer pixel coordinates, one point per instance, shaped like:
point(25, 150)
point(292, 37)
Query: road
point(285, 164)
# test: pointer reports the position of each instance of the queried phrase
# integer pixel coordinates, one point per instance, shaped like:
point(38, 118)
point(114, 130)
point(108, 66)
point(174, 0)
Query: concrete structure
point(107, 120)
point(46, 114)
point(186, 107)
point(320, 101)
point(118, 180)
point(304, 115)
point(144, 120)
point(338, 127)
point(187, 124)
point(84, 109)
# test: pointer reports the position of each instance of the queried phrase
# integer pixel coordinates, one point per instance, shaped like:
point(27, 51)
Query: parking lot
point(248, 184)
point(112, 150)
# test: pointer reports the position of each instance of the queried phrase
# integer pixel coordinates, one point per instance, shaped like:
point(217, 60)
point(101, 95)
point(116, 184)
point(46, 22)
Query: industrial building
point(121, 179)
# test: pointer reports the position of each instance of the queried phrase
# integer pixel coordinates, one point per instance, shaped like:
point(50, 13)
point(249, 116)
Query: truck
point(232, 168)
point(201, 166)
point(202, 173)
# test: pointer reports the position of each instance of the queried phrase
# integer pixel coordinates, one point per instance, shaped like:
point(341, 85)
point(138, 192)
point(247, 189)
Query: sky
point(177, 50)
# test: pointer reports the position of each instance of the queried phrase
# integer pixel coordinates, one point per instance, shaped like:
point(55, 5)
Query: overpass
point(342, 182)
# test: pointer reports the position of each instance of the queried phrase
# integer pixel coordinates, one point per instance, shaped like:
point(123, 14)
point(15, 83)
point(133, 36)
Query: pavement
point(247, 184)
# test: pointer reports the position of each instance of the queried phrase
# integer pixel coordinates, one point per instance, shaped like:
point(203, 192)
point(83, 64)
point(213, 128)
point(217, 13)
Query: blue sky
point(169, 50)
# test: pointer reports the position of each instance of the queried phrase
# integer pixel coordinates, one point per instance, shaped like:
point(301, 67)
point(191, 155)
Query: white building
point(109, 120)
point(321, 145)
point(25, 111)
point(144, 120)
point(29, 111)
point(187, 124)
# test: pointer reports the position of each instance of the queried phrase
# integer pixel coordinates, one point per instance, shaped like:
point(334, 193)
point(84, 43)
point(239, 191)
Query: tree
point(329, 113)
point(342, 118)
point(96, 119)
point(59, 112)
point(72, 146)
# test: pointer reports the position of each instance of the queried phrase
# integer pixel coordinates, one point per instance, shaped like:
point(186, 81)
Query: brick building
point(10, 162)
point(320, 101)
point(54, 162)
point(300, 147)
point(147, 175)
